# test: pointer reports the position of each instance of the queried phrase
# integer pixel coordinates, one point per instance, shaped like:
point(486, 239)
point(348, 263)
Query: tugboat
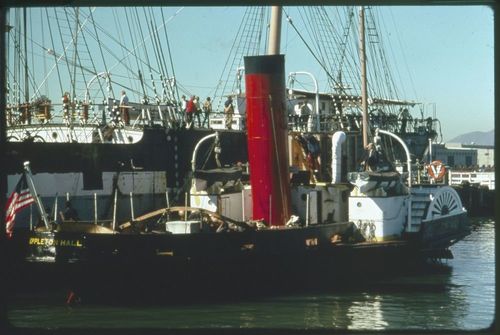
point(274, 233)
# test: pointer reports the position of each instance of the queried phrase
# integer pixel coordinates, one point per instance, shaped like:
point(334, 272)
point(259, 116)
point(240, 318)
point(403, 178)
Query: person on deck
point(190, 107)
point(405, 116)
point(183, 103)
point(297, 112)
point(305, 114)
point(207, 110)
point(229, 111)
point(197, 110)
point(70, 213)
point(66, 106)
point(371, 158)
point(124, 108)
point(124, 99)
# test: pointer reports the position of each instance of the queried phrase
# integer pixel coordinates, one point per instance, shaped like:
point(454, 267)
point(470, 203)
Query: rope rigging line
point(29, 75)
point(91, 61)
point(56, 64)
point(32, 56)
point(404, 57)
point(17, 63)
point(176, 98)
point(156, 56)
point(101, 52)
point(122, 42)
point(310, 50)
point(227, 70)
point(246, 42)
point(77, 63)
point(339, 39)
point(107, 34)
point(308, 19)
point(352, 60)
point(148, 64)
point(346, 30)
point(7, 60)
point(390, 82)
point(75, 48)
point(133, 35)
point(157, 43)
point(390, 78)
point(17, 60)
point(143, 41)
point(26, 76)
point(161, 57)
point(64, 49)
point(56, 57)
point(325, 36)
point(378, 68)
point(44, 58)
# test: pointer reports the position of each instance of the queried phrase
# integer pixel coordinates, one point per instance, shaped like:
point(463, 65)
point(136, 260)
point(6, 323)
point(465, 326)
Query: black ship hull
point(118, 268)
point(159, 149)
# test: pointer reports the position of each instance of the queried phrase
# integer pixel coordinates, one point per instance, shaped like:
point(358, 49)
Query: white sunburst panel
point(445, 201)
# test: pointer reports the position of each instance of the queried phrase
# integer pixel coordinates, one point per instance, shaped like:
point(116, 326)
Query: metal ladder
point(419, 204)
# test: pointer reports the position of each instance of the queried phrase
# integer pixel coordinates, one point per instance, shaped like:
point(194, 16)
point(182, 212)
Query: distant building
point(465, 156)
point(468, 163)
point(485, 155)
point(456, 157)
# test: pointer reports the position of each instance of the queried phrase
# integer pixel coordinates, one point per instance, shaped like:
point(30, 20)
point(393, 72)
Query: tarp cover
point(222, 174)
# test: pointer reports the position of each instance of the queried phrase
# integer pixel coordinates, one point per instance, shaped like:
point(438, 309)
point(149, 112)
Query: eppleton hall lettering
point(55, 242)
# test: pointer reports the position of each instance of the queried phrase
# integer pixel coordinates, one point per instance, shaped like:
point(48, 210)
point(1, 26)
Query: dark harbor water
point(457, 295)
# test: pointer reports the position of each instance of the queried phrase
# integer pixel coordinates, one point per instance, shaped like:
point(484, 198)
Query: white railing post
point(132, 217)
point(114, 209)
point(95, 208)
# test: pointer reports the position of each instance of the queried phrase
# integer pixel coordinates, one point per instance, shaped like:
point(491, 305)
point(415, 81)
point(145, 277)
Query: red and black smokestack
point(267, 138)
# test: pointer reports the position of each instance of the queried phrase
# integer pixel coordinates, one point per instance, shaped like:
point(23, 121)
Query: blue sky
point(441, 56)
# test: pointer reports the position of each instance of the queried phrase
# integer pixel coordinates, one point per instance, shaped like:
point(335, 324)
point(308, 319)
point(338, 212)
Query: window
point(468, 160)
point(451, 160)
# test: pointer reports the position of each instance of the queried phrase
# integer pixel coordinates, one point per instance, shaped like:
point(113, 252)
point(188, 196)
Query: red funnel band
point(267, 138)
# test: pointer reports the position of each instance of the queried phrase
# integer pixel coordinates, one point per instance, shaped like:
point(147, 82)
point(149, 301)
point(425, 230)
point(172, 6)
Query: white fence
point(482, 178)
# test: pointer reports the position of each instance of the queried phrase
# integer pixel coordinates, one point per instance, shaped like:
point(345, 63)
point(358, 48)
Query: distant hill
point(476, 137)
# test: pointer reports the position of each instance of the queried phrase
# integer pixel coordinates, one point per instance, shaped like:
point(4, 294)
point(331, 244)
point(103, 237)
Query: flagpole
point(38, 201)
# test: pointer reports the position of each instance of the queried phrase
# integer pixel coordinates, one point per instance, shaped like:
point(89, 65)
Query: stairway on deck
point(419, 204)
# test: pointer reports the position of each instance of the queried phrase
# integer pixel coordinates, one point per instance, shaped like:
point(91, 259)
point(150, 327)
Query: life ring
point(436, 170)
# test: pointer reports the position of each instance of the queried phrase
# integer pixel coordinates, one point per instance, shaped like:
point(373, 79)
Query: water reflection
point(367, 314)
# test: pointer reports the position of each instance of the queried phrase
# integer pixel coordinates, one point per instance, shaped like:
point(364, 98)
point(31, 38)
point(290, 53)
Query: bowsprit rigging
point(79, 50)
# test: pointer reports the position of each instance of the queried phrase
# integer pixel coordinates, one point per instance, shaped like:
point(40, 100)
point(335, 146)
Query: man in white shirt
point(124, 108)
point(296, 115)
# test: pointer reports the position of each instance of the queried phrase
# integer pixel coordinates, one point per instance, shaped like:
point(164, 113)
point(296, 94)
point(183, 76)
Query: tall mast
point(274, 31)
point(362, 59)
point(75, 52)
point(26, 86)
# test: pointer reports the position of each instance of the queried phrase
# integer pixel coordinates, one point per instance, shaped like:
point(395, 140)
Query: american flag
point(19, 199)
